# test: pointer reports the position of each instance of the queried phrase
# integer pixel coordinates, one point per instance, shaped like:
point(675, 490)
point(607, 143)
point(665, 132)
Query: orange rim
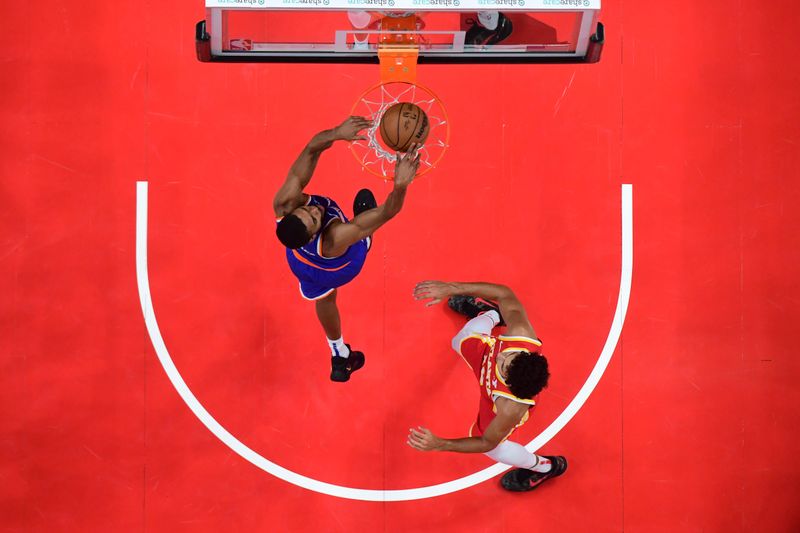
point(377, 148)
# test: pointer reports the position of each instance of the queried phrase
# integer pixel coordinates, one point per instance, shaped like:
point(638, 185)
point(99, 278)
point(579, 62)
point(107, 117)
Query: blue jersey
point(320, 275)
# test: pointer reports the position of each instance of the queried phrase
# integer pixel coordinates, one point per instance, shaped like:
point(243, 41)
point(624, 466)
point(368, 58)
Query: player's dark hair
point(292, 232)
point(527, 375)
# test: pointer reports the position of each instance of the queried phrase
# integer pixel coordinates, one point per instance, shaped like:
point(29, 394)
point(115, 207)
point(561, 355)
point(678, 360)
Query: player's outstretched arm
point(290, 196)
point(342, 236)
point(509, 413)
point(510, 307)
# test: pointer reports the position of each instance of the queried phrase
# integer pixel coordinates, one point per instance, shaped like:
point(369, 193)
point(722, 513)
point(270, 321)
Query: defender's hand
point(437, 290)
point(348, 130)
point(406, 167)
point(423, 440)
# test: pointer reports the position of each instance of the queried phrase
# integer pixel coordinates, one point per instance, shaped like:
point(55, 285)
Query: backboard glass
point(444, 31)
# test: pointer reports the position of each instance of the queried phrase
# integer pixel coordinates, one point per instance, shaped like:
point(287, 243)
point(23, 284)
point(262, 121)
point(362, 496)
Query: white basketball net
point(373, 155)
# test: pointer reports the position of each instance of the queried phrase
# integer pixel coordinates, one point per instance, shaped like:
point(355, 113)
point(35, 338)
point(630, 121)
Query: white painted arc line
point(366, 494)
point(613, 334)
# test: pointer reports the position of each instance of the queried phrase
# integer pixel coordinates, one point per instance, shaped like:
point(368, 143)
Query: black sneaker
point(523, 480)
point(471, 306)
point(479, 35)
point(342, 367)
point(364, 201)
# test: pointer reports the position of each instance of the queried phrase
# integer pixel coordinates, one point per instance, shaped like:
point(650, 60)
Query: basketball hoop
point(372, 154)
point(398, 49)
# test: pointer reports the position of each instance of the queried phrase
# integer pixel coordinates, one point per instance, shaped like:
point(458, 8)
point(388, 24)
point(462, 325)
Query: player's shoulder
point(511, 406)
point(329, 204)
point(285, 208)
point(317, 199)
point(511, 342)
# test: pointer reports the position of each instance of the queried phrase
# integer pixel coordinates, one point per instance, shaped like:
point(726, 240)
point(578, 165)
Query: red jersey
point(480, 352)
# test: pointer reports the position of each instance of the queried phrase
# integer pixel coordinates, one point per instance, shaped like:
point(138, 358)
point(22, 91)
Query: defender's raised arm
point(511, 309)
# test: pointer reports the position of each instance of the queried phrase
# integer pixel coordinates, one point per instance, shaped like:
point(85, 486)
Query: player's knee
point(456, 342)
point(494, 452)
point(327, 300)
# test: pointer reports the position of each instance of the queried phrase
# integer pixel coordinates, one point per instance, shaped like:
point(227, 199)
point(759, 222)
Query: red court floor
point(692, 426)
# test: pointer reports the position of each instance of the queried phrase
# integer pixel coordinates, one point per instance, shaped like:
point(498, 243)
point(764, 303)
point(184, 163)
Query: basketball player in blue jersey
point(324, 249)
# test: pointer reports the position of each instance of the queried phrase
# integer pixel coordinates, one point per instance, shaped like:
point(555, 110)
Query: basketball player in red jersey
point(511, 372)
point(324, 249)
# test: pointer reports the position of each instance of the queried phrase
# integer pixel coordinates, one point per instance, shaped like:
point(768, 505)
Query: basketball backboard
point(442, 31)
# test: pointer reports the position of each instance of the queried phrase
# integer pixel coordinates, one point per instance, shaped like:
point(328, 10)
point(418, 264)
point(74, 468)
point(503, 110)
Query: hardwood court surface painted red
point(689, 429)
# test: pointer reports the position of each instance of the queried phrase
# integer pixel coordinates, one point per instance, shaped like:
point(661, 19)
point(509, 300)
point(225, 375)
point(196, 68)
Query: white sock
point(489, 19)
point(494, 315)
point(339, 348)
point(515, 454)
point(542, 465)
point(482, 323)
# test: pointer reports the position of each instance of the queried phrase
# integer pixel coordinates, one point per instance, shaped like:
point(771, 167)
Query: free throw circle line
point(352, 493)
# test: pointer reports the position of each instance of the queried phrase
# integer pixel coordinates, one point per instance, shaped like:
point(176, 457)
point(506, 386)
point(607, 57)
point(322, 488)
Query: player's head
point(297, 228)
point(526, 374)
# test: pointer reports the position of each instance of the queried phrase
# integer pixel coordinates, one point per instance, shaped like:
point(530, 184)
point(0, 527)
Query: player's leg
point(344, 361)
point(515, 454)
point(328, 315)
point(489, 19)
point(491, 28)
point(481, 324)
point(364, 201)
point(532, 469)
